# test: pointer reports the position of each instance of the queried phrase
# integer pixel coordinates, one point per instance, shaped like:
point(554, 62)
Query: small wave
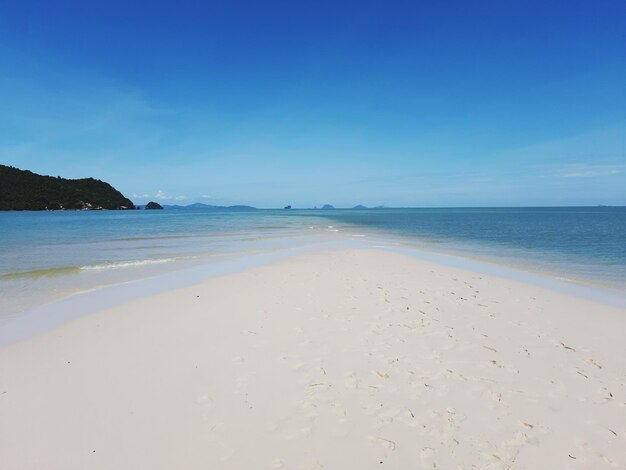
point(67, 270)
point(125, 264)
point(157, 237)
point(39, 273)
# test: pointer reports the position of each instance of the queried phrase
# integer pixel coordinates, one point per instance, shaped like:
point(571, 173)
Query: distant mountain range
point(199, 205)
point(23, 190)
point(357, 207)
point(242, 208)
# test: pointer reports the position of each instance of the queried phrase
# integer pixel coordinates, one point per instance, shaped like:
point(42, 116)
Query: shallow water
point(50, 255)
point(585, 243)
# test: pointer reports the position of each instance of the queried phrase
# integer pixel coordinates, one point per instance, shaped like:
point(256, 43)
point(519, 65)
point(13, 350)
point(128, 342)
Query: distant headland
point(23, 190)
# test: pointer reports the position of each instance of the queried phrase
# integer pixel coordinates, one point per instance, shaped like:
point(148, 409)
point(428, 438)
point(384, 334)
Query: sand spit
point(335, 360)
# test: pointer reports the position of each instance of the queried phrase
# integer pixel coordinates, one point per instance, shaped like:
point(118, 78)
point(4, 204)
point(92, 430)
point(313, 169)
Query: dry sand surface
point(350, 359)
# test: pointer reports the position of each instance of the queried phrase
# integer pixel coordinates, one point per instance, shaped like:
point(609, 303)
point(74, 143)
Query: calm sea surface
point(49, 255)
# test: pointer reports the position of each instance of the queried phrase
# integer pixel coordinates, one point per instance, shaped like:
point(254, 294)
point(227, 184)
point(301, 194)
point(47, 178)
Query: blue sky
point(262, 103)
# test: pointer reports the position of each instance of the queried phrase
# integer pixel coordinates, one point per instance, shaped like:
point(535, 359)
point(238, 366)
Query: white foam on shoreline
point(126, 264)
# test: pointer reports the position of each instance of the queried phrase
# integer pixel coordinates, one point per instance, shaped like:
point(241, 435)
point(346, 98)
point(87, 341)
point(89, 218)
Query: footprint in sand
point(593, 363)
point(445, 426)
point(505, 454)
point(386, 416)
point(316, 388)
point(297, 433)
point(407, 417)
point(605, 393)
point(350, 380)
point(206, 405)
point(387, 444)
point(338, 410)
point(427, 457)
point(277, 463)
point(311, 465)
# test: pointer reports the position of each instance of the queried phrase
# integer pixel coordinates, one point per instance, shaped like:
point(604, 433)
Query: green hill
point(23, 190)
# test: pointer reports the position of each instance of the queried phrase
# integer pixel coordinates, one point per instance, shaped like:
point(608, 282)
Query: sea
point(49, 256)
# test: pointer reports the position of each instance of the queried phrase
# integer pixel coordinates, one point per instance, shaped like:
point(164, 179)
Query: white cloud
point(161, 195)
point(164, 197)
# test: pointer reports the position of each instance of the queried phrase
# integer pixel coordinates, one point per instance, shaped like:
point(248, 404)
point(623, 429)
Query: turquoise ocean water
point(50, 255)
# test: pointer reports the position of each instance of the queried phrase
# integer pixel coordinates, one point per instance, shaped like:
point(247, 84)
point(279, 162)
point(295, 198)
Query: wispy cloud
point(584, 170)
point(162, 196)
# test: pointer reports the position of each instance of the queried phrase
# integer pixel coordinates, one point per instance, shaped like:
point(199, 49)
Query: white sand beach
point(339, 359)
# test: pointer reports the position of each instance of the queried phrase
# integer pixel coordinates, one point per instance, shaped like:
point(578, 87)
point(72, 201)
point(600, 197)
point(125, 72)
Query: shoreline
point(376, 357)
point(39, 267)
point(59, 311)
point(477, 254)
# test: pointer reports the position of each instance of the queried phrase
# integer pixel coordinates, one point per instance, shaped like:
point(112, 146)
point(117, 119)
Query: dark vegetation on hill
point(153, 205)
point(22, 190)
